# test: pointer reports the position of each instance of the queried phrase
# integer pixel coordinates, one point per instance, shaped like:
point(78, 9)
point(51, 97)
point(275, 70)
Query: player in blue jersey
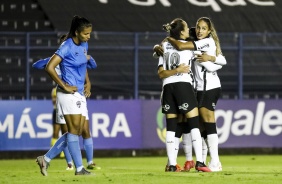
point(72, 59)
point(87, 139)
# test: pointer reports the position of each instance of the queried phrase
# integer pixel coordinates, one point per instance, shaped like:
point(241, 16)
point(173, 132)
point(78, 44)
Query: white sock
point(79, 168)
point(213, 148)
point(170, 147)
point(205, 150)
point(176, 147)
point(197, 143)
point(187, 146)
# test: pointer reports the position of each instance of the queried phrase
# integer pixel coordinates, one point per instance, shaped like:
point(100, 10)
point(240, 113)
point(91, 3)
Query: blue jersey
point(73, 65)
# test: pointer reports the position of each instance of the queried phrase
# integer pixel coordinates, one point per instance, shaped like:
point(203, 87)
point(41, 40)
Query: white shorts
point(70, 104)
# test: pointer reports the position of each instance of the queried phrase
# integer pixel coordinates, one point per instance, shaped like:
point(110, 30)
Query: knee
point(207, 115)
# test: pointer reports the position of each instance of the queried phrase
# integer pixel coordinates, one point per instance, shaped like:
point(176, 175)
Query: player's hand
point(203, 57)
point(87, 90)
point(159, 50)
point(70, 89)
point(183, 68)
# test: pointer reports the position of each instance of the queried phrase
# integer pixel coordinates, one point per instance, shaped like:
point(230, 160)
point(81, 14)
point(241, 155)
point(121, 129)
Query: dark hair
point(78, 24)
point(174, 28)
point(192, 33)
point(62, 38)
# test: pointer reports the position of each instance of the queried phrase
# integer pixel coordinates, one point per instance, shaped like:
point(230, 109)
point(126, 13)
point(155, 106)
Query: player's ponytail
point(174, 28)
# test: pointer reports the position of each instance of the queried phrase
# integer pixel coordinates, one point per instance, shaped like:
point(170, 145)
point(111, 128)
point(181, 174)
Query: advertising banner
point(27, 125)
point(240, 124)
point(140, 124)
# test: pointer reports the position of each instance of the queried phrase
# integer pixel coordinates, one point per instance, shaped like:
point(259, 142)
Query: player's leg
point(190, 109)
point(43, 161)
point(68, 158)
point(72, 111)
point(207, 113)
point(88, 146)
point(187, 146)
point(87, 138)
point(169, 108)
point(56, 129)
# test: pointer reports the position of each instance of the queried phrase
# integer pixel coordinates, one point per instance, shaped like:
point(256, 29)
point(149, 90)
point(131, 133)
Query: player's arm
point(40, 64)
point(87, 86)
point(50, 69)
point(220, 59)
point(158, 51)
point(189, 45)
point(208, 61)
point(210, 67)
point(91, 64)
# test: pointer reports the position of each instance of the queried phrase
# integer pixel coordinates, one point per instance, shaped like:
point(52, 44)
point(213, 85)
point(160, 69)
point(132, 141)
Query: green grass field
point(147, 170)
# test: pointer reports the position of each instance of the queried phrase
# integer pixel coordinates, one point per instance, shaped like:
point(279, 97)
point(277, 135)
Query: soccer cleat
point(173, 168)
point(188, 165)
point(166, 168)
point(200, 166)
point(93, 166)
point(43, 165)
point(215, 167)
point(70, 167)
point(83, 172)
point(177, 166)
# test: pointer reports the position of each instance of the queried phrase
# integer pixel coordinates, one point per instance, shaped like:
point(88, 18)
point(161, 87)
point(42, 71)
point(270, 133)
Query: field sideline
point(245, 169)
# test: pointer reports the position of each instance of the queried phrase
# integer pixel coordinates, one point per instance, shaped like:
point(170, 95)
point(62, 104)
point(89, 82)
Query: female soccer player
point(178, 96)
point(59, 119)
point(72, 58)
point(208, 83)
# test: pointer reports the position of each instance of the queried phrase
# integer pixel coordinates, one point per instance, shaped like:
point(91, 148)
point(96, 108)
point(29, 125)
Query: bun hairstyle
point(174, 28)
point(167, 27)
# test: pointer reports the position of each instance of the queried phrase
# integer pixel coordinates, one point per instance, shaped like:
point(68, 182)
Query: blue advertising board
point(139, 124)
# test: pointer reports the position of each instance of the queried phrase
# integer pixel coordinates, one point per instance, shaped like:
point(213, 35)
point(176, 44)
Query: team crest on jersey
point(166, 107)
point(184, 106)
point(78, 103)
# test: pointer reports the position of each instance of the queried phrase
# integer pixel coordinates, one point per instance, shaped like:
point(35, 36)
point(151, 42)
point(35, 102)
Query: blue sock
point(88, 146)
point(58, 147)
point(74, 149)
point(67, 155)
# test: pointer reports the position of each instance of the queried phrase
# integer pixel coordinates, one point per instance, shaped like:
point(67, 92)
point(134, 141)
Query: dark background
point(122, 15)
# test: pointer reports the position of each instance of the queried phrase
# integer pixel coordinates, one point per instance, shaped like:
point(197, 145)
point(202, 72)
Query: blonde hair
point(212, 33)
